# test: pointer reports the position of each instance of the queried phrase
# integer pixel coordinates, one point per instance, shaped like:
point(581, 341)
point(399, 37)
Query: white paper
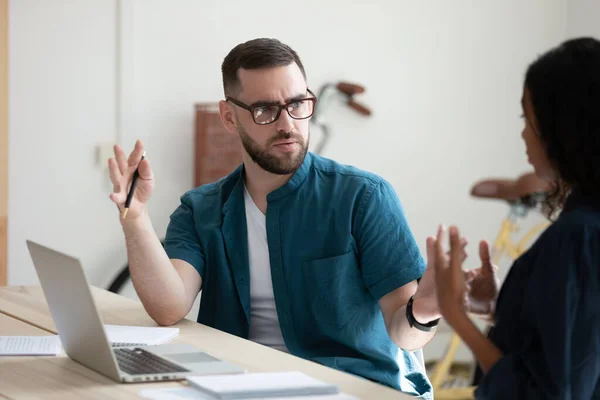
point(339, 396)
point(120, 335)
point(179, 393)
point(267, 384)
point(30, 345)
point(176, 393)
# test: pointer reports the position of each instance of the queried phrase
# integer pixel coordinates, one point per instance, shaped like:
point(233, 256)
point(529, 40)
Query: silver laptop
point(84, 339)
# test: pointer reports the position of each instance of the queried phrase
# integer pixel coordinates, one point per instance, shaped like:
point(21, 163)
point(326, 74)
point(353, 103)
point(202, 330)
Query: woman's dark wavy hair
point(564, 88)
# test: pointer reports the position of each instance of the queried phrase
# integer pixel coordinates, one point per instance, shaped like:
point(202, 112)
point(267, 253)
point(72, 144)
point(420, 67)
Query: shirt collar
point(237, 194)
point(577, 199)
point(295, 181)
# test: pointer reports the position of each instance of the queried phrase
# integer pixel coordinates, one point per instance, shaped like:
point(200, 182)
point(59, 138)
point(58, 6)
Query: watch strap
point(428, 327)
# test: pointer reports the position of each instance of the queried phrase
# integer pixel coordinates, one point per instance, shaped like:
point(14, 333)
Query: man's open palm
point(121, 174)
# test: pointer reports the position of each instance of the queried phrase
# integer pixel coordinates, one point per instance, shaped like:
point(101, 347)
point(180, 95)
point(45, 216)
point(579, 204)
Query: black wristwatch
point(428, 327)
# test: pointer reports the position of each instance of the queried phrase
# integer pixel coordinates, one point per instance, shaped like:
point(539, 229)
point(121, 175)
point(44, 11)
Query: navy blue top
point(338, 242)
point(548, 314)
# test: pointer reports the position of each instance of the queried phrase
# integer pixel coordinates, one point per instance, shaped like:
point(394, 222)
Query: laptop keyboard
point(125, 344)
point(141, 362)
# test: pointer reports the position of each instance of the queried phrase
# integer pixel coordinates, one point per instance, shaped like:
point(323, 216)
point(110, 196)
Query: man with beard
point(291, 250)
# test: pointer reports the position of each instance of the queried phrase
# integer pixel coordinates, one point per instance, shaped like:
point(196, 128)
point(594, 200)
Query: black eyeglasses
point(269, 113)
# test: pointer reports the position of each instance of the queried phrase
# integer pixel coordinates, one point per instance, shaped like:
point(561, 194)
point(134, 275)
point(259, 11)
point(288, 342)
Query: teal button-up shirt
point(338, 242)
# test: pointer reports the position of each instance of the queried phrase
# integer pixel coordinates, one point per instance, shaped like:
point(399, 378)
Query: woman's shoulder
point(569, 247)
point(578, 226)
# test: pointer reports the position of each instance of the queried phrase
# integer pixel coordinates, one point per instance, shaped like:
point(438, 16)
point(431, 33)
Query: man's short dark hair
point(255, 54)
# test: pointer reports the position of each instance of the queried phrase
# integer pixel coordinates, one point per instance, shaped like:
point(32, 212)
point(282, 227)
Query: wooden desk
point(28, 305)
point(56, 377)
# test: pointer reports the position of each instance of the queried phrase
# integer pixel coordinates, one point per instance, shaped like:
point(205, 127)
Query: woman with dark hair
point(546, 337)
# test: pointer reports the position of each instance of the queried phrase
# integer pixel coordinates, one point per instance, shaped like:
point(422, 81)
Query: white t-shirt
point(264, 323)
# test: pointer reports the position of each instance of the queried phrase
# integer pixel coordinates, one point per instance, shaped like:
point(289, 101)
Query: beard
point(286, 164)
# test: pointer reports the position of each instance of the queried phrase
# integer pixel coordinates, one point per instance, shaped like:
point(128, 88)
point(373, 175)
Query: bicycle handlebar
point(350, 88)
point(359, 107)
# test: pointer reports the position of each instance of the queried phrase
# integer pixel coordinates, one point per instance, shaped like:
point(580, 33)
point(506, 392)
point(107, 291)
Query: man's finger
point(121, 159)
point(115, 174)
point(118, 198)
point(484, 255)
point(144, 170)
point(136, 154)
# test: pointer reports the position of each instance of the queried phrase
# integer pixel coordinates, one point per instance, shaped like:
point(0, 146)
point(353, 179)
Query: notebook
point(30, 345)
point(260, 385)
point(121, 336)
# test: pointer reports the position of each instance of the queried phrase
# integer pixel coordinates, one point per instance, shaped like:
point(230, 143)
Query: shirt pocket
point(335, 288)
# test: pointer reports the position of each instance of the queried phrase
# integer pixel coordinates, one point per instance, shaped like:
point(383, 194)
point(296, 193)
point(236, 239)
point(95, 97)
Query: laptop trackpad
point(191, 358)
point(194, 359)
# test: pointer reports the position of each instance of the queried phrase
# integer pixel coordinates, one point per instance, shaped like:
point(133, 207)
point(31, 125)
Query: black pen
point(136, 175)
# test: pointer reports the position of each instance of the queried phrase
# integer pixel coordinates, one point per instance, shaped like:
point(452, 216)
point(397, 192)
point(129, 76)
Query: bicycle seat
point(510, 189)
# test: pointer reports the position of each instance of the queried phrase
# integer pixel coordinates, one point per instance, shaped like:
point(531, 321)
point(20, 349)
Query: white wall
point(583, 18)
point(62, 103)
point(443, 78)
point(444, 81)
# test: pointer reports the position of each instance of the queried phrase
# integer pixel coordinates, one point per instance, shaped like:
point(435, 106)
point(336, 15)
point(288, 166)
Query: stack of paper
point(260, 385)
point(30, 345)
point(121, 336)
point(187, 393)
point(118, 335)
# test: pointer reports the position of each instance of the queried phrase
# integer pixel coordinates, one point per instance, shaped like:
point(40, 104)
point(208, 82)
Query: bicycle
point(523, 196)
point(347, 90)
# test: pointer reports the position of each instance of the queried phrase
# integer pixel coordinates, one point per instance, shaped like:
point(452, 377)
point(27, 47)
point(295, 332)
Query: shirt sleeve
point(555, 362)
point(389, 255)
point(181, 240)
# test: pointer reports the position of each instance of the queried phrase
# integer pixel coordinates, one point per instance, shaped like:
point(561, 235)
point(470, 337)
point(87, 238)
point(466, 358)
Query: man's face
point(278, 147)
